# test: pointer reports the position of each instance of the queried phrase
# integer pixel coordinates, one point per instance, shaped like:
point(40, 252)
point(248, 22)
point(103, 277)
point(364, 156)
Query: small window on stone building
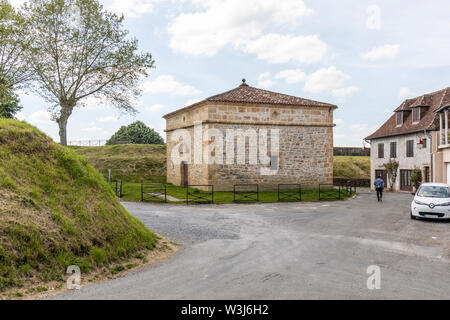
point(424, 145)
point(274, 163)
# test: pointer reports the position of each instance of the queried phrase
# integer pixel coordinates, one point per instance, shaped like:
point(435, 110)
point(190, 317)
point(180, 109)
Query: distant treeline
point(351, 151)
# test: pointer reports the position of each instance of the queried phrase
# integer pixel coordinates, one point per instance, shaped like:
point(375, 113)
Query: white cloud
point(291, 75)
point(167, 84)
point(353, 135)
point(132, 8)
point(41, 117)
point(264, 80)
point(192, 101)
point(338, 122)
point(230, 22)
point(384, 52)
point(155, 107)
point(345, 92)
point(92, 103)
point(405, 92)
point(20, 116)
point(325, 80)
point(277, 48)
point(107, 119)
point(91, 129)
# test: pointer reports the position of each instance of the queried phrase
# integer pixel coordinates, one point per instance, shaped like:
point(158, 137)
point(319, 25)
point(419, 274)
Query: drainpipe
point(430, 136)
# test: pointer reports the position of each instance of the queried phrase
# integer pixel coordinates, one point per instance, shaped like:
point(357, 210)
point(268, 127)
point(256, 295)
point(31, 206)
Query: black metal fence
point(329, 192)
point(245, 193)
point(154, 192)
point(364, 183)
point(117, 187)
point(289, 192)
point(200, 196)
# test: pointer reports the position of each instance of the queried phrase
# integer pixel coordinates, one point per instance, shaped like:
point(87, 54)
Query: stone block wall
point(306, 145)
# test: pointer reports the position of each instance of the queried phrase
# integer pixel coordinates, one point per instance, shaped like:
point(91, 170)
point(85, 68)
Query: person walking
point(379, 185)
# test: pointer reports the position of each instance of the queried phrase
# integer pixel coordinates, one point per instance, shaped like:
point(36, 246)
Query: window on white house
point(393, 150)
point(410, 148)
point(381, 150)
point(416, 114)
point(399, 118)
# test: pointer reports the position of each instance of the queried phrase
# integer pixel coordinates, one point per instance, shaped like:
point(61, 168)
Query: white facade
point(420, 160)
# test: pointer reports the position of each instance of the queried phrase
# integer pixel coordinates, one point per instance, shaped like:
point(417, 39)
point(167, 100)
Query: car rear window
point(433, 192)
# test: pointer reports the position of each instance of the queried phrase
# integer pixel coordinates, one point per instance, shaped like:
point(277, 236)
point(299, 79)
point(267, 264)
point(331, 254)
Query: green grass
point(129, 162)
point(352, 167)
point(132, 193)
point(56, 210)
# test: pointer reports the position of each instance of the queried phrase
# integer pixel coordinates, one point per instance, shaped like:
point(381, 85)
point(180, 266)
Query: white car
point(431, 201)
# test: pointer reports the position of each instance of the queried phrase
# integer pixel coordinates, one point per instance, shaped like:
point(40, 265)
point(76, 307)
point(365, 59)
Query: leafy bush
point(136, 133)
point(416, 178)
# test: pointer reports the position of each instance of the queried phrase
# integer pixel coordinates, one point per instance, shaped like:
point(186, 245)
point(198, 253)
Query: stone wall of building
point(305, 157)
point(306, 145)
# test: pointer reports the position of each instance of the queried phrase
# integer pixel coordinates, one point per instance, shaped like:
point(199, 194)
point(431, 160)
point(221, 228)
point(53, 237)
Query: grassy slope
point(131, 163)
point(352, 167)
point(56, 210)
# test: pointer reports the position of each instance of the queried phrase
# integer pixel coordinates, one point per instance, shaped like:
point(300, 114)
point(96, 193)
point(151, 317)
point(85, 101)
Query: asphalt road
point(289, 251)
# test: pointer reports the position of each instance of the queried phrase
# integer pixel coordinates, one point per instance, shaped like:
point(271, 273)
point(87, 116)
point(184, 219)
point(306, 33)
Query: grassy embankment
point(134, 164)
point(351, 167)
point(56, 210)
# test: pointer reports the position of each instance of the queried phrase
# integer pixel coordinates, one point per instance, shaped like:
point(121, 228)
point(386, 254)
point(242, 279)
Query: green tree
point(9, 102)
point(391, 168)
point(14, 73)
point(136, 133)
point(416, 178)
point(79, 50)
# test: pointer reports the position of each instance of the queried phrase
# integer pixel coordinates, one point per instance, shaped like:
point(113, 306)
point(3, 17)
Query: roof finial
point(243, 82)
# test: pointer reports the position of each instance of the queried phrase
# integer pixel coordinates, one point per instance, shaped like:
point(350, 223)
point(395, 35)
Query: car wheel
point(413, 217)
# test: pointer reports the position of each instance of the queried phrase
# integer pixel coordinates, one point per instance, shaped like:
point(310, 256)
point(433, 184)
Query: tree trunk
point(66, 111)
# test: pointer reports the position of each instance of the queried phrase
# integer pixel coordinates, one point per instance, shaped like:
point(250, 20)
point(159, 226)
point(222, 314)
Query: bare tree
point(80, 50)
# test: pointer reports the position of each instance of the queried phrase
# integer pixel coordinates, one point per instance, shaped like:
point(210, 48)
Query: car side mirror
point(413, 193)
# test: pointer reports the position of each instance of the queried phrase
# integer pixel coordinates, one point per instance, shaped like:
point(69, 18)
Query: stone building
point(251, 136)
point(416, 136)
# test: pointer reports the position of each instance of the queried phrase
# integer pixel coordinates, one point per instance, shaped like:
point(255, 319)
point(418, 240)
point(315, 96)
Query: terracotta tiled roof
point(433, 101)
point(247, 94)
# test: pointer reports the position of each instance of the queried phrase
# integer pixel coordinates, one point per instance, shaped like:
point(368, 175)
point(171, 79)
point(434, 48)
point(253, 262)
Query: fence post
point(165, 193)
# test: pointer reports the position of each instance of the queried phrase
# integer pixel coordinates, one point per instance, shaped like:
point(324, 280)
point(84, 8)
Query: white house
point(416, 136)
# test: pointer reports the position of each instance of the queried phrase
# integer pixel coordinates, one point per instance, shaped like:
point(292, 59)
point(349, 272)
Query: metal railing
point(289, 192)
point(117, 187)
point(329, 192)
point(154, 192)
point(200, 196)
point(241, 195)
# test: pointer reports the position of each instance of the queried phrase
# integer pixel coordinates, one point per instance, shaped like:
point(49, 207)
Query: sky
point(364, 56)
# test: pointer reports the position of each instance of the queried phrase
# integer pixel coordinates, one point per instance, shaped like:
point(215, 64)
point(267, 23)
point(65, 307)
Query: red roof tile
point(428, 121)
point(247, 94)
